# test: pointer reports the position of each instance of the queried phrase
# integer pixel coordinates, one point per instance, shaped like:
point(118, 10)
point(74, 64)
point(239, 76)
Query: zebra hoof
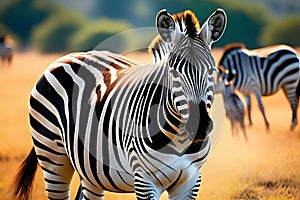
point(294, 124)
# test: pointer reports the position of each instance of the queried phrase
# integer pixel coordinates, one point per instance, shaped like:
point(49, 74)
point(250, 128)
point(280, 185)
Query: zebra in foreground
point(235, 110)
point(124, 126)
point(234, 107)
point(6, 52)
point(158, 49)
point(263, 72)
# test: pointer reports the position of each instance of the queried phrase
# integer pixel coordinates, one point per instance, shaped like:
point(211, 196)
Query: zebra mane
point(190, 20)
point(188, 24)
point(232, 46)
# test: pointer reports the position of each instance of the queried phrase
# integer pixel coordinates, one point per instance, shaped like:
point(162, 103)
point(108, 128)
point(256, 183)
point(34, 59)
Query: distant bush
point(285, 31)
point(54, 34)
point(21, 16)
point(245, 23)
point(92, 34)
point(4, 30)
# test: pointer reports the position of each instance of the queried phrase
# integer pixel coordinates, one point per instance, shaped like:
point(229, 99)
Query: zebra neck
point(161, 108)
point(227, 93)
point(175, 112)
point(177, 97)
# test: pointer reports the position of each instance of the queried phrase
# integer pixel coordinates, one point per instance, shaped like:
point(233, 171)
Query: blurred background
point(73, 25)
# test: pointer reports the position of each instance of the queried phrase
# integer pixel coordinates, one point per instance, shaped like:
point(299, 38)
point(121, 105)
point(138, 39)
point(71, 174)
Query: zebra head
point(190, 60)
point(226, 65)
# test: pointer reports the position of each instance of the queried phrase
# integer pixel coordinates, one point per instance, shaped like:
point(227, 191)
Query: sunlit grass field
point(266, 167)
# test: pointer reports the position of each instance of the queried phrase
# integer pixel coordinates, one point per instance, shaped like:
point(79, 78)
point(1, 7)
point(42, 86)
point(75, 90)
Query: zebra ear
point(165, 26)
point(214, 27)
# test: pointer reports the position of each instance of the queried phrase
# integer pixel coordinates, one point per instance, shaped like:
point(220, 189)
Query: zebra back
point(264, 66)
point(263, 72)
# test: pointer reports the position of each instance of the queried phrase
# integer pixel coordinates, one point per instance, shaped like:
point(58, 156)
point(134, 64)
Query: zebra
point(122, 125)
point(158, 49)
point(263, 72)
point(6, 52)
point(235, 110)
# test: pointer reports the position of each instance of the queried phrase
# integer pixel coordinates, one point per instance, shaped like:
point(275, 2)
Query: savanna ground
point(267, 166)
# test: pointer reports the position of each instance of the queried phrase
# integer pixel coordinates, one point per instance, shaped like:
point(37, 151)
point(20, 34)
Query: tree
point(21, 16)
point(96, 32)
point(54, 34)
point(245, 24)
point(286, 31)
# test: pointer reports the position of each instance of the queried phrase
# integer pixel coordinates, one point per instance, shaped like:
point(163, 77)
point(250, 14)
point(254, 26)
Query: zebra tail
point(25, 176)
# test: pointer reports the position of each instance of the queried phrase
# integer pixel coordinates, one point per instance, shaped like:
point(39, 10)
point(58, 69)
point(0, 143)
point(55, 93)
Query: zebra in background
point(124, 126)
point(235, 110)
point(263, 72)
point(6, 52)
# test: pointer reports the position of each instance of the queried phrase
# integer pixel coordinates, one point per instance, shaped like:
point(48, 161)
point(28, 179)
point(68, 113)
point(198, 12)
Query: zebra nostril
point(210, 126)
point(199, 124)
point(208, 106)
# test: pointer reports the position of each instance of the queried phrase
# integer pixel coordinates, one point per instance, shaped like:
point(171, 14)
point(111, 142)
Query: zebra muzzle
point(199, 124)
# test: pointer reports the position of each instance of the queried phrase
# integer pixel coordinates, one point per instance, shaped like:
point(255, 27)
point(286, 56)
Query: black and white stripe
point(160, 49)
point(235, 110)
point(263, 72)
point(124, 126)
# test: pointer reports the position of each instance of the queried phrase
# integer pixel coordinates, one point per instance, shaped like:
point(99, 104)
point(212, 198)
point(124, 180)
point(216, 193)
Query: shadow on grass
point(8, 158)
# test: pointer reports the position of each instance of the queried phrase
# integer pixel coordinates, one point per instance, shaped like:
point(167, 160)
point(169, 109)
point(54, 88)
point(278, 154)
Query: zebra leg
point(79, 193)
point(90, 191)
point(145, 189)
point(261, 106)
point(294, 106)
point(188, 190)
point(242, 125)
point(233, 128)
point(58, 173)
point(193, 194)
point(294, 101)
point(248, 101)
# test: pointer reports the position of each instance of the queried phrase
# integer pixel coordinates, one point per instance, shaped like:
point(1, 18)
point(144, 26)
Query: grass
point(269, 189)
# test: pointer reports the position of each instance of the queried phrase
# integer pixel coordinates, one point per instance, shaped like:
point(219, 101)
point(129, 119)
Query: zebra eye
point(211, 71)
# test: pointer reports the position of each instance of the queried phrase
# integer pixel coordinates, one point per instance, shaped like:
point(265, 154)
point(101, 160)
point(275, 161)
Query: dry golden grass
point(265, 167)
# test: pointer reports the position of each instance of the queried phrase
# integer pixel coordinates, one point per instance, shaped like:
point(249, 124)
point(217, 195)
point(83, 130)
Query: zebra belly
point(105, 172)
point(120, 178)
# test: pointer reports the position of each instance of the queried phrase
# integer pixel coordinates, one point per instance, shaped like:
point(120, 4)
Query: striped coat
point(263, 72)
point(124, 126)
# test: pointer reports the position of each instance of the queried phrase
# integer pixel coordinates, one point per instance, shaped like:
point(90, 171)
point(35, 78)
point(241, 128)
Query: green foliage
point(245, 20)
point(54, 34)
point(21, 16)
point(90, 35)
point(245, 23)
point(50, 27)
point(5, 31)
point(285, 31)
